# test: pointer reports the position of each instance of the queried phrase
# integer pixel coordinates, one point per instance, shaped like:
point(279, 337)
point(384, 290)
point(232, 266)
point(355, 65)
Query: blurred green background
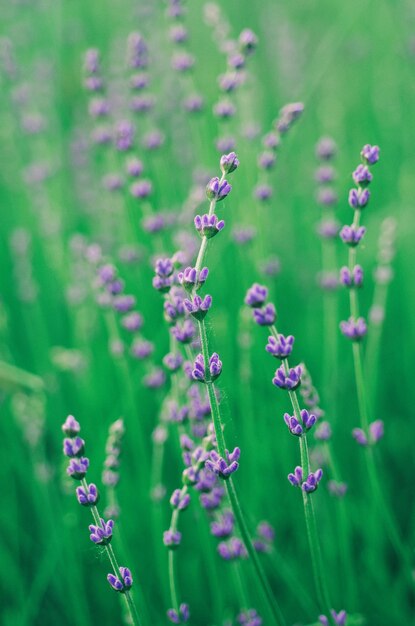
point(352, 64)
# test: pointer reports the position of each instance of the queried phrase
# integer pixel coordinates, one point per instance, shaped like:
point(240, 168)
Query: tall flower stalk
point(355, 329)
point(289, 379)
point(221, 461)
point(101, 531)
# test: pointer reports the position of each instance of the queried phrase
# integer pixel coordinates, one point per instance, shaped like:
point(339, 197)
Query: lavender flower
point(163, 280)
point(362, 176)
point(358, 198)
point(132, 322)
point(354, 329)
point(232, 549)
point(179, 501)
point(370, 154)
point(172, 538)
point(351, 235)
point(173, 361)
point(326, 149)
point(223, 468)
point(180, 617)
point(123, 584)
point(191, 278)
point(215, 368)
point(338, 618)
point(263, 192)
point(323, 431)
point(376, 432)
point(208, 225)
point(141, 349)
point(217, 190)
point(102, 534)
point(228, 164)
point(223, 526)
point(78, 468)
point(256, 295)
point(185, 332)
point(352, 278)
point(310, 484)
point(281, 348)
point(249, 618)
point(297, 427)
point(73, 447)
point(265, 316)
point(87, 496)
point(248, 41)
point(141, 189)
point(197, 307)
point(289, 381)
point(71, 427)
point(224, 109)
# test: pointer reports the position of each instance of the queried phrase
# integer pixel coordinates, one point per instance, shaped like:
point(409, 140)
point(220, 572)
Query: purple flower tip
point(217, 190)
point(256, 295)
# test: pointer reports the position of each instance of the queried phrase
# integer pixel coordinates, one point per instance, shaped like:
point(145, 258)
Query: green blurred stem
point(11, 374)
point(132, 609)
point(231, 491)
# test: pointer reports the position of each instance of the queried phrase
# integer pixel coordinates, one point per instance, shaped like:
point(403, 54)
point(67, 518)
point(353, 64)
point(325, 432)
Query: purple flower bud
point(92, 61)
point(248, 41)
point(78, 468)
point(236, 61)
point(376, 430)
point(215, 368)
point(123, 584)
point(326, 149)
point(172, 538)
point(249, 618)
point(71, 427)
point(217, 190)
point(102, 534)
point(229, 163)
point(193, 103)
point(362, 176)
point(325, 174)
point(124, 303)
point(281, 348)
point(265, 316)
point(198, 308)
point(312, 481)
point(73, 447)
point(327, 196)
point(232, 549)
point(271, 140)
point(134, 167)
point(229, 82)
point(180, 617)
point(191, 278)
point(323, 431)
point(352, 278)
point(266, 160)
point(132, 322)
point(370, 154)
point(360, 436)
point(182, 62)
point(338, 618)
point(351, 235)
point(141, 349)
point(208, 225)
point(358, 198)
point(142, 103)
point(263, 192)
point(224, 109)
point(173, 361)
point(220, 467)
point(183, 333)
point(178, 33)
point(112, 182)
point(98, 107)
point(256, 295)
point(139, 81)
point(88, 496)
point(225, 144)
point(179, 501)
point(153, 140)
point(123, 135)
point(328, 228)
point(336, 488)
point(155, 379)
point(354, 329)
point(289, 381)
point(211, 501)
point(141, 189)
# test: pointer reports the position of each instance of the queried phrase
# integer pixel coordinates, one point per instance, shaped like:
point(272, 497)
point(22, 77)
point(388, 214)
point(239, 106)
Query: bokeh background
point(352, 64)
